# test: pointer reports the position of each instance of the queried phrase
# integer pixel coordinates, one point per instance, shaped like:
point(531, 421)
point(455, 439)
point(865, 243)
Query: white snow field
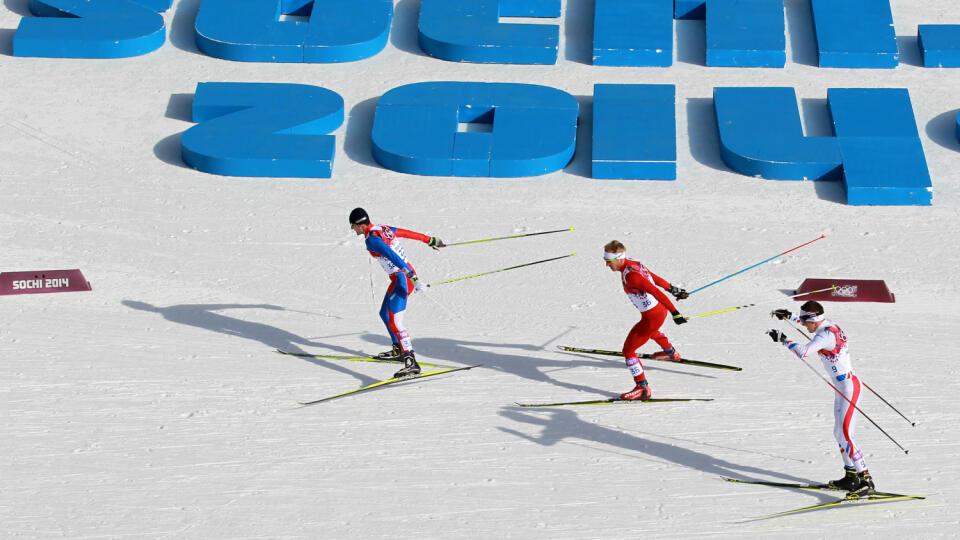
point(155, 406)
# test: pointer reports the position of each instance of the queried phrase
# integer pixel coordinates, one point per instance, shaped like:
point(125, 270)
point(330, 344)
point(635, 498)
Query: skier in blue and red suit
point(383, 244)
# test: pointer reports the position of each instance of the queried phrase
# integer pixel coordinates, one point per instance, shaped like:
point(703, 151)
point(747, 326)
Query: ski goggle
point(610, 257)
point(807, 316)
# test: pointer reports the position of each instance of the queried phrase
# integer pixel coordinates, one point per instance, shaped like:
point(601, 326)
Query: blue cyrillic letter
point(91, 28)
point(940, 45)
point(761, 135)
point(855, 33)
point(883, 160)
point(471, 31)
point(251, 30)
point(633, 33)
point(876, 142)
point(634, 131)
point(745, 33)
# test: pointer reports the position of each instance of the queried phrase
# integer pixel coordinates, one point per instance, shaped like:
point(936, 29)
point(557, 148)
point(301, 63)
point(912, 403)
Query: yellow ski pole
point(500, 270)
point(758, 303)
point(507, 237)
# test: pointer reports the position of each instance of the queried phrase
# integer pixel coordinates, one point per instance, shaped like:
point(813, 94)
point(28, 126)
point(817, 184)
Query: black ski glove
point(678, 318)
point(678, 293)
point(777, 336)
point(781, 314)
point(436, 243)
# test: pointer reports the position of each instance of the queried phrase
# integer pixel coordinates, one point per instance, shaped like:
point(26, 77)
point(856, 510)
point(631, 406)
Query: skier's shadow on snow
point(562, 425)
point(205, 316)
point(528, 366)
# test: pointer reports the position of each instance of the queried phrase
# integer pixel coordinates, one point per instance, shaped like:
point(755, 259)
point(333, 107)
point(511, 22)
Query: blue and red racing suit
point(383, 244)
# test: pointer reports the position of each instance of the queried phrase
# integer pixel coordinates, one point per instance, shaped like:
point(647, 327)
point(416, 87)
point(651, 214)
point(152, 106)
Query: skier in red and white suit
point(383, 244)
point(641, 286)
point(830, 344)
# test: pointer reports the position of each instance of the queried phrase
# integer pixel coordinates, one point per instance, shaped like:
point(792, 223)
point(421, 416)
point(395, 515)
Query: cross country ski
point(850, 498)
point(877, 497)
point(686, 361)
point(387, 382)
point(612, 401)
point(782, 484)
point(390, 360)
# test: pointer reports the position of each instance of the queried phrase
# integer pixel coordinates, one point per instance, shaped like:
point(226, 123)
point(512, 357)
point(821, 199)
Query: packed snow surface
point(155, 405)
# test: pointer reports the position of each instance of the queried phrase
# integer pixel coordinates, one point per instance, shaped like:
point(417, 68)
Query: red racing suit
point(643, 289)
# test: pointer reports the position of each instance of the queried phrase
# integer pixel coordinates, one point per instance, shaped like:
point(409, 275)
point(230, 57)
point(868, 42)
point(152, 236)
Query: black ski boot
point(392, 354)
point(849, 482)
point(410, 366)
point(865, 488)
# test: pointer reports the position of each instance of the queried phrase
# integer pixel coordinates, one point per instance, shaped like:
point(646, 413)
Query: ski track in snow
point(155, 405)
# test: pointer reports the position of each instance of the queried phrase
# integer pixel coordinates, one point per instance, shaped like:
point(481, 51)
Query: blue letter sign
point(532, 129)
point(91, 28)
point(251, 30)
point(471, 31)
point(263, 129)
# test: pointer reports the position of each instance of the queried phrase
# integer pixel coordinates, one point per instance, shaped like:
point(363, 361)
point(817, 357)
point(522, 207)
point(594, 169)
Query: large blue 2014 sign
point(531, 130)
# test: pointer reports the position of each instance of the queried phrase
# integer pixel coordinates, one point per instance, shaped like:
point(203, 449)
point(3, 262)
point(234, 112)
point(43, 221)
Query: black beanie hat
point(359, 217)
point(812, 307)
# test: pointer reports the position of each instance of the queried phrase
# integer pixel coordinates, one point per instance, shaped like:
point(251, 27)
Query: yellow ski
point(386, 383)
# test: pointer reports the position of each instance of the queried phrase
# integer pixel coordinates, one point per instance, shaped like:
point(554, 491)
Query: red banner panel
point(848, 290)
point(43, 281)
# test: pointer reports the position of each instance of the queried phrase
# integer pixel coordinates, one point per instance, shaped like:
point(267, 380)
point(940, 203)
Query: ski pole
point(507, 237)
point(837, 390)
point(758, 264)
point(758, 303)
point(500, 270)
point(874, 392)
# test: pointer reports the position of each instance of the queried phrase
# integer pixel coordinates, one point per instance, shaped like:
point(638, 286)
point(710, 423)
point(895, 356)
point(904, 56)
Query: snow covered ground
point(154, 406)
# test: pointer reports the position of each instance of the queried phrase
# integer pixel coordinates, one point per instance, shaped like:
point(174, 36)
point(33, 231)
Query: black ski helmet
point(358, 216)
